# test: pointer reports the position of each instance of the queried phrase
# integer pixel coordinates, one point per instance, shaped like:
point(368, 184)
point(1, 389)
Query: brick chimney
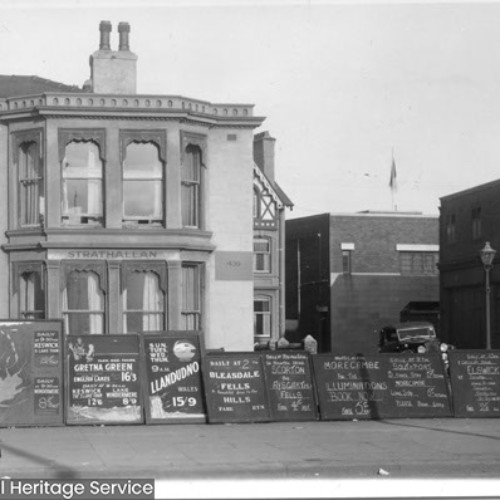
point(263, 153)
point(113, 72)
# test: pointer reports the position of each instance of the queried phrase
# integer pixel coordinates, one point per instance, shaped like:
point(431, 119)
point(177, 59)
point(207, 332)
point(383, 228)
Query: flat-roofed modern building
point(350, 274)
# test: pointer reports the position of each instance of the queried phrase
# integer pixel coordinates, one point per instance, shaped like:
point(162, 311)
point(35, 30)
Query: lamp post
point(487, 256)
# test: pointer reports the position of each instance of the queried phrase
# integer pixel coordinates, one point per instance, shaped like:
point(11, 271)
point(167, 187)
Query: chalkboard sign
point(173, 388)
point(31, 384)
point(381, 386)
point(475, 383)
point(235, 388)
point(290, 386)
point(103, 383)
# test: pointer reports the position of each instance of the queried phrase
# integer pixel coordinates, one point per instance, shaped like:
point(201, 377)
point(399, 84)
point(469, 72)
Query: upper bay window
point(27, 153)
point(142, 184)
point(31, 187)
point(82, 173)
point(193, 158)
point(191, 183)
point(143, 159)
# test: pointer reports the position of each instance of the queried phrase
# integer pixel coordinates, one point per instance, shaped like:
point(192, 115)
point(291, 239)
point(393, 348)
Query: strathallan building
point(122, 212)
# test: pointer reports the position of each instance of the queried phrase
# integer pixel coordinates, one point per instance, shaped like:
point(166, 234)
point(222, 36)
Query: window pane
point(82, 160)
point(189, 205)
point(261, 246)
point(142, 199)
point(84, 197)
point(84, 324)
point(142, 161)
point(261, 305)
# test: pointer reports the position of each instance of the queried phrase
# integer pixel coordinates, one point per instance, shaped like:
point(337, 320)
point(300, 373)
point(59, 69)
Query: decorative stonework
point(194, 139)
point(69, 100)
point(159, 268)
point(20, 268)
point(97, 135)
point(25, 136)
point(81, 266)
point(158, 137)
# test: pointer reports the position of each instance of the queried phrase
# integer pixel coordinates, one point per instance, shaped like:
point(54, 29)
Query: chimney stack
point(263, 153)
point(111, 71)
point(124, 30)
point(105, 29)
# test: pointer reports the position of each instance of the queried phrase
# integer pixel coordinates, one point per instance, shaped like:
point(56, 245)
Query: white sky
point(342, 84)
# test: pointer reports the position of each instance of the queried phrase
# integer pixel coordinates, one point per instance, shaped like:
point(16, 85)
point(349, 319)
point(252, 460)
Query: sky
point(346, 87)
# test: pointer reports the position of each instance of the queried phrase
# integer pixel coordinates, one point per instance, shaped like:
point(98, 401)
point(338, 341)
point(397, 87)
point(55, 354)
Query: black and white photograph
point(248, 249)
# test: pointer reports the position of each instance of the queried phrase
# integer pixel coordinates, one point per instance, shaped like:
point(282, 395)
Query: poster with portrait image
point(103, 379)
point(173, 387)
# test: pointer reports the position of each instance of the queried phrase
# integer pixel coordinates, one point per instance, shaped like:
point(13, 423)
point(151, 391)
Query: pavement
point(402, 449)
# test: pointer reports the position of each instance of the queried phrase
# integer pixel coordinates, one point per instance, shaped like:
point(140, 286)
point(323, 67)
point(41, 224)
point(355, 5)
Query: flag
point(392, 180)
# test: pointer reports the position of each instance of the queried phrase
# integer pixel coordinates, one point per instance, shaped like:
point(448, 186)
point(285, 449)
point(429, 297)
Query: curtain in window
point(83, 304)
point(95, 304)
point(151, 303)
point(27, 293)
point(190, 297)
point(64, 309)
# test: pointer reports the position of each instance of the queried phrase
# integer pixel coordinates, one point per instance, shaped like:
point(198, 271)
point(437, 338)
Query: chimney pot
point(124, 30)
point(105, 29)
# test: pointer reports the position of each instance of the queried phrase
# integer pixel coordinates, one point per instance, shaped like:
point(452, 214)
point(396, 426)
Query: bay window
point(31, 184)
point(190, 191)
point(142, 184)
point(82, 172)
point(31, 296)
point(144, 299)
point(83, 304)
point(191, 297)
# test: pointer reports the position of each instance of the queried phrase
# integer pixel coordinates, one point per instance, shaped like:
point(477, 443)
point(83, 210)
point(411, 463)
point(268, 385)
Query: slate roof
point(21, 85)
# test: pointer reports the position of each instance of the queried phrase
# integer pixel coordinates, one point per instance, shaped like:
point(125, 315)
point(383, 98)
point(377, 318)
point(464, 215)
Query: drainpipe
point(281, 253)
